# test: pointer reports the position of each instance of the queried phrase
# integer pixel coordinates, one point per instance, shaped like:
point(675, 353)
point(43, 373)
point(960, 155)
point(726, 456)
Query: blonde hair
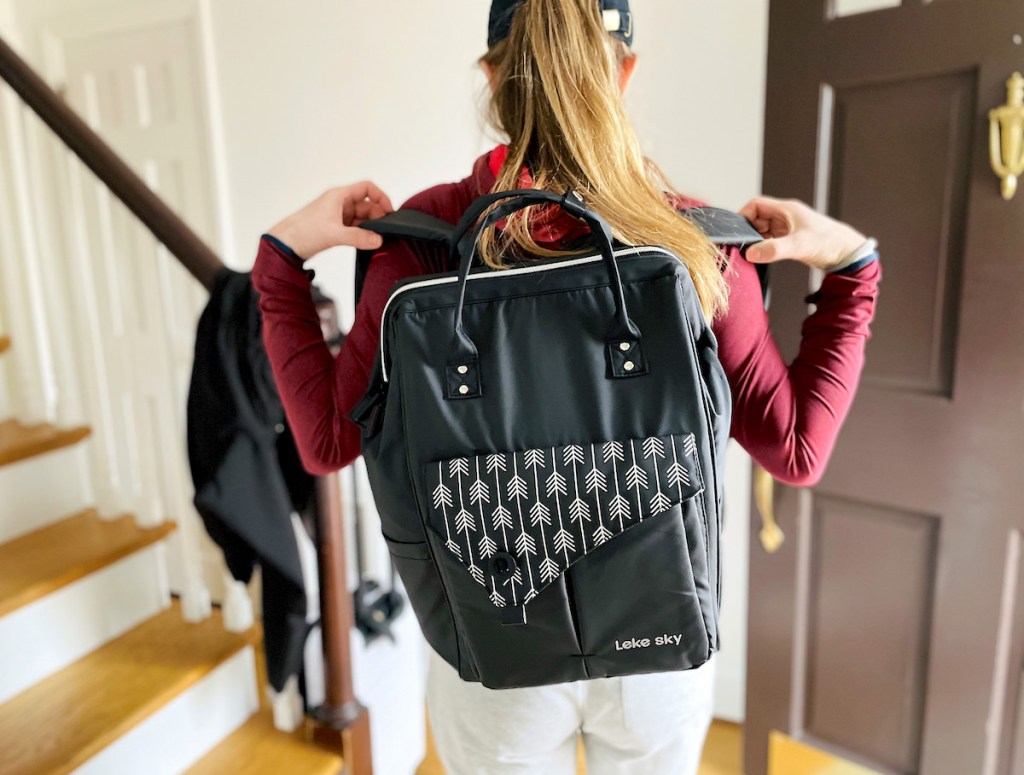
point(557, 96)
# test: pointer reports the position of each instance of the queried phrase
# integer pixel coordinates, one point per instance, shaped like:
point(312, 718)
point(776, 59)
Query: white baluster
point(33, 391)
point(119, 266)
point(44, 152)
point(160, 447)
point(193, 594)
point(237, 608)
point(170, 394)
point(92, 341)
point(287, 705)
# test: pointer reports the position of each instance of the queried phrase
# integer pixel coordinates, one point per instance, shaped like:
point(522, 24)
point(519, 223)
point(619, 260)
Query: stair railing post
point(341, 722)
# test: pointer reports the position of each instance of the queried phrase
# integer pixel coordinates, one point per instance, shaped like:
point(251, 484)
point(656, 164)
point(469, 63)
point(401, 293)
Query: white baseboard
point(42, 490)
point(43, 637)
point(185, 729)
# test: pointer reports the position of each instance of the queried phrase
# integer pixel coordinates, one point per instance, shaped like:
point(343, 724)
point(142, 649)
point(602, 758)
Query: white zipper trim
point(482, 275)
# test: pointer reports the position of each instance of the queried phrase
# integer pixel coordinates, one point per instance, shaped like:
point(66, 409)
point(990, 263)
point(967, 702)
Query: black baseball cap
point(617, 19)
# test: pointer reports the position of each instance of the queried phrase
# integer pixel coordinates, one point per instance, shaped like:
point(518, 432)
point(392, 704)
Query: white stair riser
point(42, 490)
point(43, 637)
point(185, 729)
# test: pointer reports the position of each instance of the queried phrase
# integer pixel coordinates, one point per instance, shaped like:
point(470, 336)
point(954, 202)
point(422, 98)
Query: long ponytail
point(557, 97)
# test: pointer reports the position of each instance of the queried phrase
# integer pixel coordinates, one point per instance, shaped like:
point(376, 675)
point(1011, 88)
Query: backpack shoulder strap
point(411, 224)
point(723, 227)
point(726, 228)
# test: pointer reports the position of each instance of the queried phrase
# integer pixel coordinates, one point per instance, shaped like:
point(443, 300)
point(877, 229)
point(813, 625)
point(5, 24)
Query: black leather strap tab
point(513, 615)
point(462, 379)
point(626, 358)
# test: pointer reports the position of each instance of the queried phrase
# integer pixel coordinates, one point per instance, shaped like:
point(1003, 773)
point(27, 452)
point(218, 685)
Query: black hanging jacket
point(246, 470)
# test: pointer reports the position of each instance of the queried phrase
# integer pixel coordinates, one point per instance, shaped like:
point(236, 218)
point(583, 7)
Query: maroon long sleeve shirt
point(786, 416)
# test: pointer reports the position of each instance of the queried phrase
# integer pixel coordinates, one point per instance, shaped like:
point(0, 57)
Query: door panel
point(867, 643)
point(919, 121)
point(888, 628)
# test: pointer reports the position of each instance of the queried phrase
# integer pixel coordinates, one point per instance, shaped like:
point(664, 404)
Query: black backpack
point(545, 446)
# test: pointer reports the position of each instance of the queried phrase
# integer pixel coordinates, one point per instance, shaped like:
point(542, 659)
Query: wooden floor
point(722, 753)
point(723, 750)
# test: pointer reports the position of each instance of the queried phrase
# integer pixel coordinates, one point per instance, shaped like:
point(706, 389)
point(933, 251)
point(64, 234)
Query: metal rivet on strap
point(463, 389)
point(625, 346)
point(629, 365)
point(463, 369)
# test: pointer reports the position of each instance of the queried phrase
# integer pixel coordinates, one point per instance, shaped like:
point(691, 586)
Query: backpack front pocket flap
point(517, 520)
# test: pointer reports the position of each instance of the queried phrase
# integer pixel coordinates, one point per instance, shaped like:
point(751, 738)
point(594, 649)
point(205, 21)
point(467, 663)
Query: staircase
point(99, 672)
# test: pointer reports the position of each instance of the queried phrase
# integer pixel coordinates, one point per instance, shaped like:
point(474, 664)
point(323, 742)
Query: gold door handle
point(764, 496)
point(1006, 136)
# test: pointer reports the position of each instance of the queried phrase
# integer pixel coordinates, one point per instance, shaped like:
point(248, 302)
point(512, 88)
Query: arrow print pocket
point(518, 520)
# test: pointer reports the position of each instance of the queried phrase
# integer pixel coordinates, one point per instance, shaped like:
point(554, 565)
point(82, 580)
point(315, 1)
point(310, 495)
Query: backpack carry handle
point(623, 350)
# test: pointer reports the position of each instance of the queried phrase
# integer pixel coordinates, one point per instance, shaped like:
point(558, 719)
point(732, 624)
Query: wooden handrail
point(342, 714)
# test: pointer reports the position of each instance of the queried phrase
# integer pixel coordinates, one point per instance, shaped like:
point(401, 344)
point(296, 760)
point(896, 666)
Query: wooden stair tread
point(18, 441)
point(64, 720)
point(258, 748)
point(36, 564)
point(5, 343)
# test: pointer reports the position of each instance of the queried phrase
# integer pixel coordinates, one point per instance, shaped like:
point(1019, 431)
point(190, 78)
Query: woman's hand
point(333, 219)
point(794, 230)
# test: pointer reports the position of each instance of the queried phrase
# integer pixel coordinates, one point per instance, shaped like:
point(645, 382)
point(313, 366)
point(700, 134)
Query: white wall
point(698, 103)
point(336, 90)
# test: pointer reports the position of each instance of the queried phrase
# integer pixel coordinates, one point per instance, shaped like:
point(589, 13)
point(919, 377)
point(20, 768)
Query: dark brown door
point(889, 627)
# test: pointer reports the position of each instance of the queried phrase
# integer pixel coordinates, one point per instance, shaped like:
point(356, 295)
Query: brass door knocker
point(764, 497)
point(1006, 136)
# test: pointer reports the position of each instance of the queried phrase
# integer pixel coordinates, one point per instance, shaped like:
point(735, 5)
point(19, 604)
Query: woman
point(557, 70)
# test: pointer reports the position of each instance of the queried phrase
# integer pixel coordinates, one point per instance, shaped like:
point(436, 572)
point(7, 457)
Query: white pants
point(652, 724)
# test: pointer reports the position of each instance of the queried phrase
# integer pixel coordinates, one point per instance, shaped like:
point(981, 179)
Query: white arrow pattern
point(579, 510)
point(517, 514)
point(597, 482)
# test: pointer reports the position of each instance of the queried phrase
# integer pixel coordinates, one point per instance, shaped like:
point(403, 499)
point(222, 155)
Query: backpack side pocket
point(426, 593)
